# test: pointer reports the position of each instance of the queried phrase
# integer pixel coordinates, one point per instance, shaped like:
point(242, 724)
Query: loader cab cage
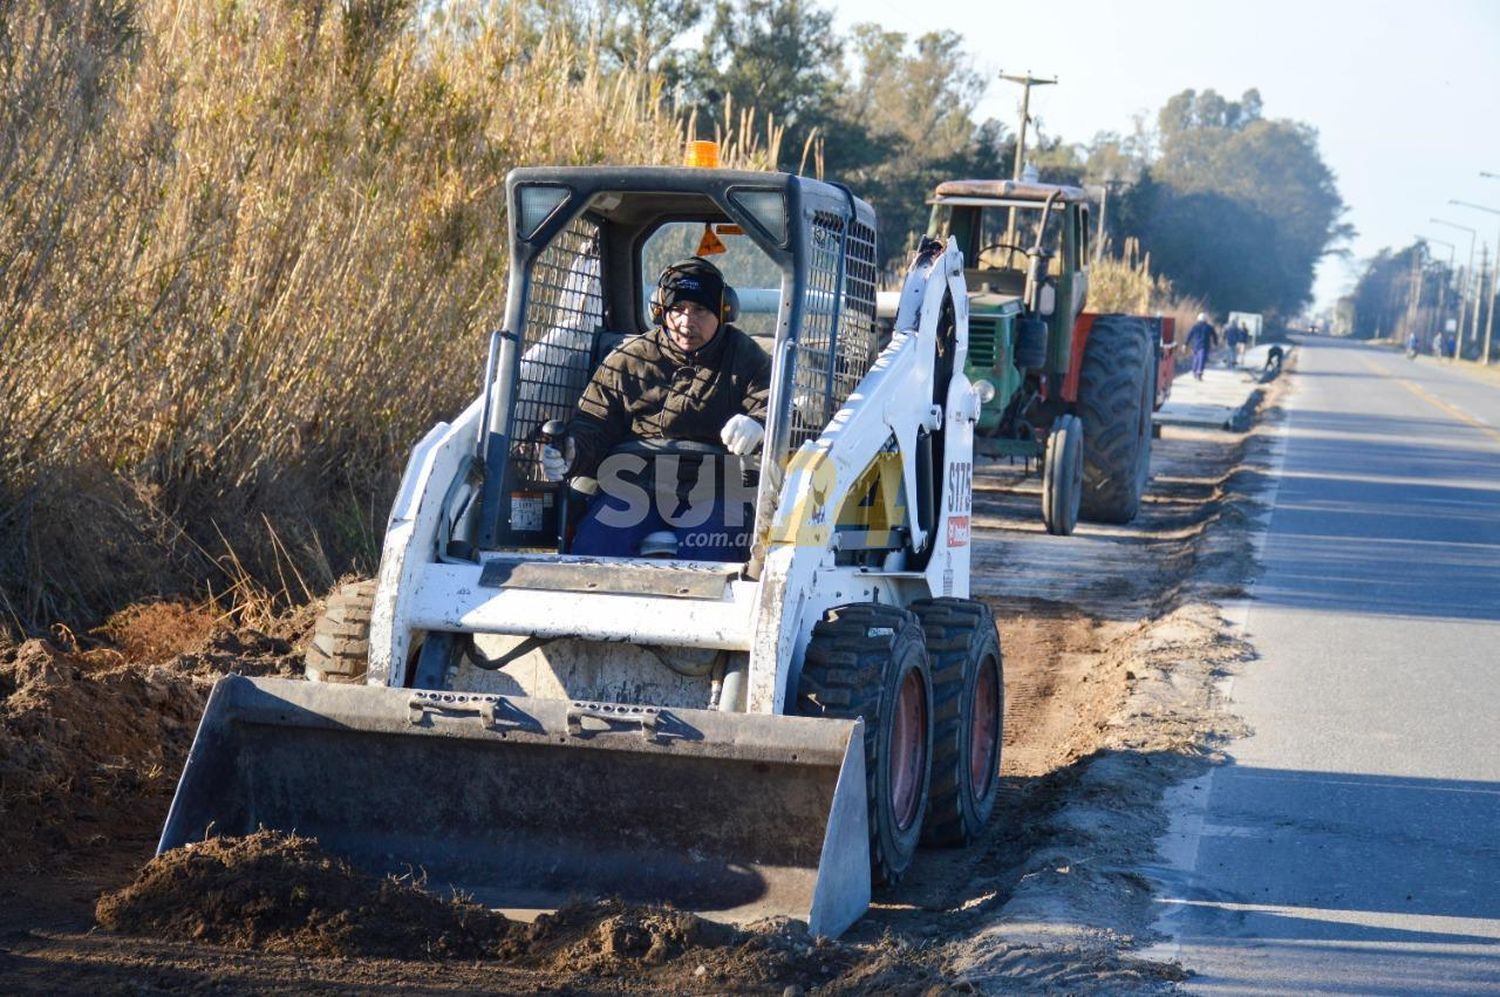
point(587, 245)
point(982, 214)
point(1022, 242)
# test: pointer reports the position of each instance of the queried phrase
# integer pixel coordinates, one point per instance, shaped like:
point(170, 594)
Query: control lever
point(554, 433)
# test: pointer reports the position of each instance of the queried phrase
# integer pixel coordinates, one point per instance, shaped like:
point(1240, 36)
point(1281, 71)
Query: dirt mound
point(155, 631)
point(669, 950)
point(605, 936)
point(282, 893)
point(92, 739)
point(276, 892)
point(89, 749)
point(196, 638)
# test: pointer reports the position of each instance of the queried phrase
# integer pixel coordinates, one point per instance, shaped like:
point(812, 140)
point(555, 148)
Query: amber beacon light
point(705, 154)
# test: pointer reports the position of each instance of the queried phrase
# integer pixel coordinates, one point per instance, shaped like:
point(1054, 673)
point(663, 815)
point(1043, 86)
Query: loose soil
point(1113, 648)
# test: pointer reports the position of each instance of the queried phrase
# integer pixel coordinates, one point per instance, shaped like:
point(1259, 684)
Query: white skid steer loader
point(531, 726)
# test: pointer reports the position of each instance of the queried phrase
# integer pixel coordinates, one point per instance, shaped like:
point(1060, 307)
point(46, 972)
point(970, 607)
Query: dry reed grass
point(248, 254)
point(1125, 283)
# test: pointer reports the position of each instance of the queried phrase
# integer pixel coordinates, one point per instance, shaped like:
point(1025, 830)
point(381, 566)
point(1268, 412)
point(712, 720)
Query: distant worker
point(1200, 339)
point(1235, 337)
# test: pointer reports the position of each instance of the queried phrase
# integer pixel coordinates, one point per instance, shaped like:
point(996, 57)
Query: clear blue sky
point(1405, 96)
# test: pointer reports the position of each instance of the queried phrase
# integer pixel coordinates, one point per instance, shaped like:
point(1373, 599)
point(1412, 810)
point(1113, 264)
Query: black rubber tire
point(340, 648)
point(961, 642)
point(1115, 390)
point(1062, 475)
point(857, 659)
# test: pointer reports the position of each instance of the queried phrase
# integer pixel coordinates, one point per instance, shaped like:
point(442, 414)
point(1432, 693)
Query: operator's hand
point(555, 462)
point(742, 435)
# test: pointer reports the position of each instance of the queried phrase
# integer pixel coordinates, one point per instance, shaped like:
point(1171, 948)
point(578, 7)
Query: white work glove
point(742, 435)
point(555, 462)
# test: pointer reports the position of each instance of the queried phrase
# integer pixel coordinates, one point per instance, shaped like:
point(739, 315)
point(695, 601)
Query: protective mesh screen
point(563, 317)
point(829, 361)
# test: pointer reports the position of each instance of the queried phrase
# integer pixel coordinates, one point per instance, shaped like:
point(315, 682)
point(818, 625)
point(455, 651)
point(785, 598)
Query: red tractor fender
point(1166, 357)
point(1081, 327)
point(1165, 328)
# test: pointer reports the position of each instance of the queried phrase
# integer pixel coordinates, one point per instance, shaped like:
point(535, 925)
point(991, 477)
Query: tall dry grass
point(1125, 283)
point(249, 250)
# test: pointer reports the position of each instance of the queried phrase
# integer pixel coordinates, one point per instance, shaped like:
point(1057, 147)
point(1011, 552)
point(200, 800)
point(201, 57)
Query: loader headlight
point(984, 391)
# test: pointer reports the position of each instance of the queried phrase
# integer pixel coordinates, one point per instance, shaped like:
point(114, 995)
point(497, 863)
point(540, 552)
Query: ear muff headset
point(729, 301)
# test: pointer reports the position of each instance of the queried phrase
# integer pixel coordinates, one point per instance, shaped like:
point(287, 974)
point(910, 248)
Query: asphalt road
point(1352, 844)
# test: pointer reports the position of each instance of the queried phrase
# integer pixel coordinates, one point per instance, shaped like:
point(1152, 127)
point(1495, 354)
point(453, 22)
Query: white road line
point(1187, 803)
point(1445, 924)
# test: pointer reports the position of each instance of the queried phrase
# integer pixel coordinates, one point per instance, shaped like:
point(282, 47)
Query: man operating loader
point(693, 382)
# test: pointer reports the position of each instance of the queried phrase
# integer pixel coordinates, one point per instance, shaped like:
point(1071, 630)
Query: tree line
point(1234, 208)
point(1421, 291)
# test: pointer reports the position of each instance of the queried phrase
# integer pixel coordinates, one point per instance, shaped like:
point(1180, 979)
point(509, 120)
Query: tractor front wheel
point(1062, 475)
point(1115, 390)
point(869, 660)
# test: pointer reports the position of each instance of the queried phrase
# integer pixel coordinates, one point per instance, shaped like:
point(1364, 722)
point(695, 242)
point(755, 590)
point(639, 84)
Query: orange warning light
point(704, 154)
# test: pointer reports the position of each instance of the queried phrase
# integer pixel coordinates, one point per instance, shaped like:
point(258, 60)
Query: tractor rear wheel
point(340, 648)
point(1062, 475)
point(968, 709)
point(868, 660)
point(1115, 389)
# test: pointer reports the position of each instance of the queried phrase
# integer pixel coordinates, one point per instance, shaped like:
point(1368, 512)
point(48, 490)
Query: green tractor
point(1072, 389)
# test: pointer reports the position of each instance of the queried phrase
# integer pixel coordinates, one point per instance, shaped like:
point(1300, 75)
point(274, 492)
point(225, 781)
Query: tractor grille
point(830, 361)
point(563, 316)
point(983, 348)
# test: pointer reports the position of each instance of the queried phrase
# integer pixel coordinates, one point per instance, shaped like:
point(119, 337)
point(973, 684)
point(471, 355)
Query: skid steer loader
point(1072, 389)
point(740, 739)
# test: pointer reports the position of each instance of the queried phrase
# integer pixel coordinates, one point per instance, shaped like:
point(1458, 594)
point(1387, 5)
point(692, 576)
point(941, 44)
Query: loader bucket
point(525, 803)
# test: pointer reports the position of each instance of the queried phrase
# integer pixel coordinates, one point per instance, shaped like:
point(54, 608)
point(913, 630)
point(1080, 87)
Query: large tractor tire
point(968, 711)
point(1062, 475)
point(340, 648)
point(1115, 391)
point(869, 660)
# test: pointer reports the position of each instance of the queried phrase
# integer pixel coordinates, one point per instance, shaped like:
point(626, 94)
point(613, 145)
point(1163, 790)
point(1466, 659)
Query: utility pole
point(1413, 294)
point(1442, 290)
point(1484, 267)
point(1458, 345)
point(1027, 82)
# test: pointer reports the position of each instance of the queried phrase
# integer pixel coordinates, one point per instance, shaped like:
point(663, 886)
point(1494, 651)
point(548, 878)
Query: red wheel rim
point(984, 729)
point(908, 749)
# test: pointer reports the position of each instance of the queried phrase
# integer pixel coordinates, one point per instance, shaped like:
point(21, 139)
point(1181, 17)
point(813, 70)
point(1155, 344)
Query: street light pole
point(1489, 322)
point(1458, 345)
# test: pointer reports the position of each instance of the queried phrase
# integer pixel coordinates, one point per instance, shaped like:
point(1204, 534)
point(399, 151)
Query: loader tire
point(340, 648)
point(868, 660)
point(968, 716)
point(1115, 392)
